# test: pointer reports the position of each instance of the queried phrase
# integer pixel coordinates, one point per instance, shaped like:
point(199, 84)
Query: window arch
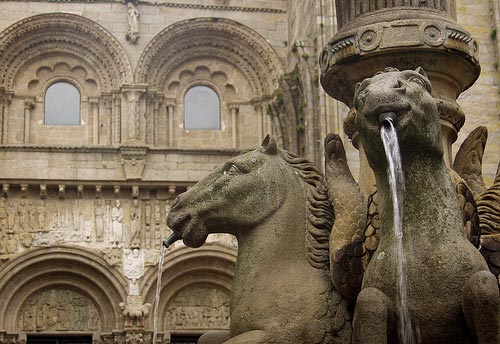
point(62, 104)
point(201, 109)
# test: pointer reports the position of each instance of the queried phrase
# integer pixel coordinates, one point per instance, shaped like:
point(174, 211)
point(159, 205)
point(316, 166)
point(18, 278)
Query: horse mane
point(319, 210)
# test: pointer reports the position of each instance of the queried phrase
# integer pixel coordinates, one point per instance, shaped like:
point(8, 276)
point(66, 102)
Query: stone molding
point(424, 34)
point(63, 32)
point(218, 7)
point(220, 38)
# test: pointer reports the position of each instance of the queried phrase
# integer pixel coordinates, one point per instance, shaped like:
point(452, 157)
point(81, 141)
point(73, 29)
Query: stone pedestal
point(405, 34)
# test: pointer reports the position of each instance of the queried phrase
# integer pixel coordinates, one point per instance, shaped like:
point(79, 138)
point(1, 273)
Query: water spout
point(175, 236)
point(387, 117)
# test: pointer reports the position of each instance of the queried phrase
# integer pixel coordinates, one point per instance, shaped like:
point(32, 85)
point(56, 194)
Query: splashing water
point(406, 331)
point(158, 289)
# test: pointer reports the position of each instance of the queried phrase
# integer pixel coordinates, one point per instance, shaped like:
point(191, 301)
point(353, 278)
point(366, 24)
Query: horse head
point(407, 96)
point(238, 195)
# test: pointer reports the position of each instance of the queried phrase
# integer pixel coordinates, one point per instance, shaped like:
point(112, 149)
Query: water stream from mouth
point(406, 330)
point(158, 289)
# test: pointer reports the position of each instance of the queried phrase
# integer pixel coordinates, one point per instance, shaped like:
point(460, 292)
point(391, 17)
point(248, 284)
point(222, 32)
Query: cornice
point(174, 5)
point(116, 150)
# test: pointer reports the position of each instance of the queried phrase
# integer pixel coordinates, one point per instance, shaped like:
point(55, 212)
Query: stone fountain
point(310, 273)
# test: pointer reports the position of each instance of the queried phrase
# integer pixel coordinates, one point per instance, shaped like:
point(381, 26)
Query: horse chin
point(194, 237)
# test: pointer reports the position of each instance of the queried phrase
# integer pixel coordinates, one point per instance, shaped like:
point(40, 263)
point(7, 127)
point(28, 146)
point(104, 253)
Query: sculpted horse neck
point(276, 206)
point(448, 279)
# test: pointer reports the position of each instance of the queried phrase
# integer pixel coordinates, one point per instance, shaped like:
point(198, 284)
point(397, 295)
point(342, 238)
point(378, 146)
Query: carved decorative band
point(397, 35)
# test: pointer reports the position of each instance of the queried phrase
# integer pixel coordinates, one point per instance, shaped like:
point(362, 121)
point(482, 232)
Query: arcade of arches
point(86, 194)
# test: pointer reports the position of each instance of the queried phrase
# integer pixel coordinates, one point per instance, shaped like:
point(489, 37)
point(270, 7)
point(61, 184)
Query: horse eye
point(233, 170)
point(420, 82)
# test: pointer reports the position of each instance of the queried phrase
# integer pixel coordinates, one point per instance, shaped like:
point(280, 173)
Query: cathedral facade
point(100, 131)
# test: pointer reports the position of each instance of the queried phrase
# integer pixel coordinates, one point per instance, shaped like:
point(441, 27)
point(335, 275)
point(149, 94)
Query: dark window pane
point(201, 109)
point(62, 104)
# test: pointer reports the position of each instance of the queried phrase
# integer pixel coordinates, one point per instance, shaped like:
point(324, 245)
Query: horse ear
point(422, 72)
point(269, 145)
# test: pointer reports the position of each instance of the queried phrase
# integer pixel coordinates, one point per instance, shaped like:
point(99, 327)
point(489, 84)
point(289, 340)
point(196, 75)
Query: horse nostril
point(399, 84)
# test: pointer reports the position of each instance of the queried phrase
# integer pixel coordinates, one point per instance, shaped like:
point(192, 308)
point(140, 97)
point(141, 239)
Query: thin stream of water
point(158, 289)
point(406, 331)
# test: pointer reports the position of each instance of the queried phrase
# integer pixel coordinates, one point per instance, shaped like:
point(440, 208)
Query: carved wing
point(469, 209)
point(469, 158)
point(488, 206)
point(348, 253)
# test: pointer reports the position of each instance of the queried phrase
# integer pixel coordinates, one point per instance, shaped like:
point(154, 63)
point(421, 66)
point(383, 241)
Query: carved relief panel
point(58, 309)
point(198, 307)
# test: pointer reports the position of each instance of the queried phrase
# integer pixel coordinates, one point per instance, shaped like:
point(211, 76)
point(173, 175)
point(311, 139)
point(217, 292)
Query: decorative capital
point(133, 161)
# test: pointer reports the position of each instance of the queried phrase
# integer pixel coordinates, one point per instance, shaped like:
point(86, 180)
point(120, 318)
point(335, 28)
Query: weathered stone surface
point(432, 225)
point(275, 204)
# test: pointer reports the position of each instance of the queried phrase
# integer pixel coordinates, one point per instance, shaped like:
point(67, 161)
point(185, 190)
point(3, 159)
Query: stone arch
point(81, 272)
point(211, 266)
point(219, 38)
point(63, 34)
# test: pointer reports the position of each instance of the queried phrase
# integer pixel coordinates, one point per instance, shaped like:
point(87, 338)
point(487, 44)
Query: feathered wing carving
point(348, 253)
point(469, 158)
point(355, 234)
point(468, 164)
point(468, 205)
point(488, 207)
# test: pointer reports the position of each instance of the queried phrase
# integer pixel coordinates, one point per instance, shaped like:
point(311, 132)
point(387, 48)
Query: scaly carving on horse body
point(448, 279)
point(275, 203)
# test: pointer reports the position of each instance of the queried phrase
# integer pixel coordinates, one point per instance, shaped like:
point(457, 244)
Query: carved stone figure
point(282, 230)
point(135, 224)
point(41, 215)
point(99, 219)
point(22, 217)
point(116, 224)
point(33, 217)
point(147, 221)
point(11, 217)
point(58, 310)
point(442, 290)
point(133, 266)
point(198, 307)
point(134, 314)
point(133, 23)
point(113, 256)
point(12, 243)
point(157, 234)
point(4, 220)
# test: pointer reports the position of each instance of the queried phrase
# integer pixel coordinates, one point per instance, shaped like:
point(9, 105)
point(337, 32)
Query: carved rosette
point(405, 37)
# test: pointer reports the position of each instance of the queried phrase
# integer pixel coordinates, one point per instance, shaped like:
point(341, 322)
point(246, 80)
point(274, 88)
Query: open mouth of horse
point(400, 114)
point(181, 226)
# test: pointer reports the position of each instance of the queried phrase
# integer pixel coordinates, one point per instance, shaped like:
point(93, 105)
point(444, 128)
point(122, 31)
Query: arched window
point(62, 104)
point(201, 109)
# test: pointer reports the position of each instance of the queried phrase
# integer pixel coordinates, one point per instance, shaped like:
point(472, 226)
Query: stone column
point(29, 104)
point(260, 121)
point(156, 119)
point(108, 102)
point(170, 113)
point(134, 94)
point(117, 100)
point(234, 123)
point(94, 109)
point(5, 99)
point(373, 35)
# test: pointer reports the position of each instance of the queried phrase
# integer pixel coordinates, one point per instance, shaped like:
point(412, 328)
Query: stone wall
point(481, 103)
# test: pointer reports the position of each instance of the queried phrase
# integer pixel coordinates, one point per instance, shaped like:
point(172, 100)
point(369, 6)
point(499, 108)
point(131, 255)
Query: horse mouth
point(180, 226)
